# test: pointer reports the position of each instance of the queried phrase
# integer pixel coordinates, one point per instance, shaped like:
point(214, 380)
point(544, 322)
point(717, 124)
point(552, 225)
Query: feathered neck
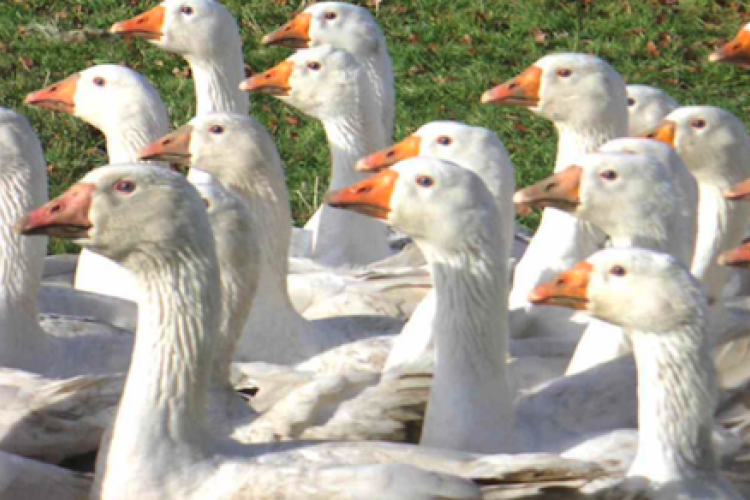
point(144, 122)
point(677, 395)
point(23, 184)
point(584, 136)
point(470, 406)
point(217, 82)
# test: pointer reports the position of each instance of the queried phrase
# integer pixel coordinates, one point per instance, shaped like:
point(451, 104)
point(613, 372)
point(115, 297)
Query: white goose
point(130, 113)
point(586, 100)
point(475, 148)
point(174, 259)
point(330, 85)
point(714, 145)
point(205, 33)
point(239, 153)
point(647, 107)
point(677, 391)
point(59, 347)
point(638, 201)
point(351, 28)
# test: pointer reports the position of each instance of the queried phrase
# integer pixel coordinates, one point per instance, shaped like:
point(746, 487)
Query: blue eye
point(125, 186)
point(216, 129)
point(425, 181)
point(314, 65)
point(444, 140)
point(609, 175)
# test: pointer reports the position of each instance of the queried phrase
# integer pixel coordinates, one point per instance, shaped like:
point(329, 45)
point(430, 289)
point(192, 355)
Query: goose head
point(103, 96)
point(217, 143)
point(619, 193)
point(434, 201)
point(712, 142)
point(564, 88)
point(634, 288)
point(735, 52)
point(321, 82)
point(122, 210)
point(196, 28)
point(341, 25)
point(647, 107)
point(476, 148)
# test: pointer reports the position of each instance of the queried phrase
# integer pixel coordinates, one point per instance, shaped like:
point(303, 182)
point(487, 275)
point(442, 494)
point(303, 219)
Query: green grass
point(445, 54)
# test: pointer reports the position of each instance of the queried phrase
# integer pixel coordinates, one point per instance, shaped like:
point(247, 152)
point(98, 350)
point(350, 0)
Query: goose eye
point(564, 73)
point(331, 16)
point(698, 123)
point(216, 129)
point(99, 81)
point(444, 140)
point(126, 187)
point(631, 102)
point(425, 181)
point(618, 271)
point(608, 175)
point(314, 65)
point(186, 9)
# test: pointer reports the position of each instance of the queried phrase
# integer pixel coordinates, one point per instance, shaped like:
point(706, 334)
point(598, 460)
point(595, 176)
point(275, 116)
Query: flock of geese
point(391, 349)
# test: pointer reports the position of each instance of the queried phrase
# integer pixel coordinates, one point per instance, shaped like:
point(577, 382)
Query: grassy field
point(445, 54)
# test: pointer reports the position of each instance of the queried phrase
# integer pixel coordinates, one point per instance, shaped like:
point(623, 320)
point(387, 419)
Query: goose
point(130, 113)
point(636, 201)
point(586, 100)
point(205, 33)
point(477, 149)
point(239, 153)
point(330, 85)
point(713, 143)
point(736, 51)
point(647, 106)
point(677, 391)
point(353, 29)
point(59, 347)
point(173, 257)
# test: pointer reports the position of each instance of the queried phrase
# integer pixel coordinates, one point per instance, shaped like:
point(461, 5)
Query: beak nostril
point(167, 142)
point(512, 86)
point(391, 154)
point(142, 20)
point(53, 88)
point(55, 208)
point(560, 281)
point(550, 186)
point(363, 190)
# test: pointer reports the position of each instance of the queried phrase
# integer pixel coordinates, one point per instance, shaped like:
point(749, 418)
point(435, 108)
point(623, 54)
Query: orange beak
point(371, 197)
point(736, 52)
point(665, 133)
point(148, 25)
point(60, 96)
point(740, 191)
point(522, 90)
point(559, 191)
point(67, 216)
point(569, 289)
point(408, 148)
point(295, 34)
point(275, 81)
point(736, 257)
point(172, 148)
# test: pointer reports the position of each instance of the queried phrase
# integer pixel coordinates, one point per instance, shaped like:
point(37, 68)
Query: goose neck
point(380, 75)
point(178, 314)
point(352, 137)
point(677, 395)
point(23, 187)
point(134, 131)
point(217, 82)
point(577, 139)
point(470, 332)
